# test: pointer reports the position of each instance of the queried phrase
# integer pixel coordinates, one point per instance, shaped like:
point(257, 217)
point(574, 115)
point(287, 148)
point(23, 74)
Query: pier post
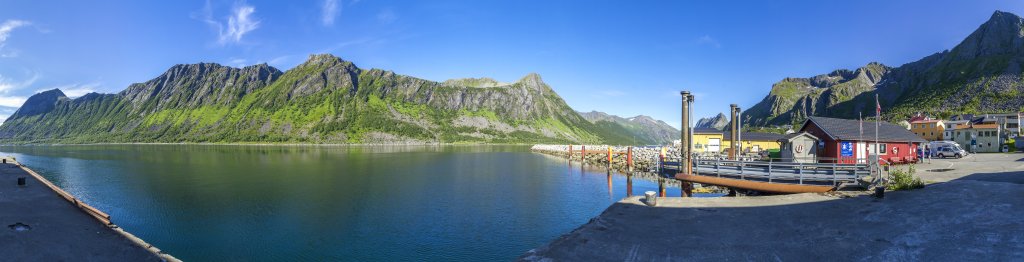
point(610, 193)
point(661, 160)
point(629, 184)
point(609, 156)
point(583, 154)
point(629, 159)
point(570, 152)
point(661, 187)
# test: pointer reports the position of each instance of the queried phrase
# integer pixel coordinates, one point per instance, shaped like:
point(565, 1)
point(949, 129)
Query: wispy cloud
point(236, 25)
point(708, 41)
point(5, 32)
point(6, 112)
point(279, 60)
point(12, 101)
point(75, 90)
point(238, 62)
point(387, 16)
point(7, 84)
point(331, 8)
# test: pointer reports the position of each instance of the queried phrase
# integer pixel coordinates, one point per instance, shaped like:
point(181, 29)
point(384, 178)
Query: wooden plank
point(754, 185)
point(92, 211)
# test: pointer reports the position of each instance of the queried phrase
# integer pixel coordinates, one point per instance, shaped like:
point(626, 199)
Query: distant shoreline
point(275, 144)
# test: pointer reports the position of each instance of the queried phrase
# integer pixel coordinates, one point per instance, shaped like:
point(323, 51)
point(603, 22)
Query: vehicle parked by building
point(949, 151)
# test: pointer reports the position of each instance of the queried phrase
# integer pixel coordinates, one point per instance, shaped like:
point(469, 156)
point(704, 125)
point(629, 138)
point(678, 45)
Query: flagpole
point(878, 118)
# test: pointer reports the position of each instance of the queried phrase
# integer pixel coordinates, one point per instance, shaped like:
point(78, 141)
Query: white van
point(935, 145)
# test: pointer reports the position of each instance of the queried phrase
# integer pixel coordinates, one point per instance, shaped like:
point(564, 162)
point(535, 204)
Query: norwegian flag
point(878, 106)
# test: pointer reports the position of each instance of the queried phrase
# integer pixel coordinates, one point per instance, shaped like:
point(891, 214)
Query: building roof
point(984, 119)
point(789, 137)
point(926, 121)
point(706, 130)
point(849, 129)
point(981, 126)
point(962, 117)
point(919, 117)
point(755, 136)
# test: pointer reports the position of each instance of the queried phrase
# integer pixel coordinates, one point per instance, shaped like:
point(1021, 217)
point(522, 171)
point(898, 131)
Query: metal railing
point(779, 170)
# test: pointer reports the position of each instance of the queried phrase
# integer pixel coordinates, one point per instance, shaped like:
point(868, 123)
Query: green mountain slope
point(324, 100)
point(642, 129)
point(981, 74)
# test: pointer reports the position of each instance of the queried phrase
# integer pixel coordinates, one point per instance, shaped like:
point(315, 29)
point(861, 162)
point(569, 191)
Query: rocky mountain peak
point(39, 103)
point(533, 81)
point(474, 82)
point(1003, 33)
point(717, 122)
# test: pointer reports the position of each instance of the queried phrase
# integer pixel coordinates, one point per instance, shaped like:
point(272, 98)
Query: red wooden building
point(851, 141)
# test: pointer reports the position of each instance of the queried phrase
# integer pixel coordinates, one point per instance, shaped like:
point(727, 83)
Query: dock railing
point(836, 172)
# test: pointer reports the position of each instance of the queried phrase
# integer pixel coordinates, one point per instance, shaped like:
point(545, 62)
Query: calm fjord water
point(326, 203)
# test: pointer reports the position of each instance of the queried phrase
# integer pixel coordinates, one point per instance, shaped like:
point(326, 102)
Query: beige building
point(979, 138)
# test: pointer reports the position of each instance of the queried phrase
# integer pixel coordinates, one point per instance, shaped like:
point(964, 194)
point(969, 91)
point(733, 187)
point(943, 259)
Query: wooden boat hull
point(755, 185)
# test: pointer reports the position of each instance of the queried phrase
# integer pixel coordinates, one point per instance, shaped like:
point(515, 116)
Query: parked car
point(949, 151)
point(935, 145)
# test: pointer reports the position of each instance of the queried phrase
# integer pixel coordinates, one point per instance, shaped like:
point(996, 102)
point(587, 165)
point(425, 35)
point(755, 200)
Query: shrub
point(900, 179)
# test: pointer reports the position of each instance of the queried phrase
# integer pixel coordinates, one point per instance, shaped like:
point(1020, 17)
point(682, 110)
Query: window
point(881, 149)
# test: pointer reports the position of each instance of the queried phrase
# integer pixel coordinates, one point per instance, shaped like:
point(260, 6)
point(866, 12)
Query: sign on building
point(846, 148)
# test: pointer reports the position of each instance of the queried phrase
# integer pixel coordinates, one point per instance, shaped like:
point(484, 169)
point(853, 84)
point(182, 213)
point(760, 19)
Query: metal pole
point(732, 132)
point(685, 132)
point(739, 128)
point(689, 135)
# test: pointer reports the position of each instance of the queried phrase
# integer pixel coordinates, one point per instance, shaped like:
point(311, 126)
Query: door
point(862, 152)
point(714, 144)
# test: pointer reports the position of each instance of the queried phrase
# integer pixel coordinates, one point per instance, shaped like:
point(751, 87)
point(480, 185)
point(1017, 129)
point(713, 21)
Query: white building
point(950, 126)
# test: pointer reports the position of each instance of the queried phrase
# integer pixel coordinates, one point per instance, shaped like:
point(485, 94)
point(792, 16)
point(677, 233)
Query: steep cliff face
point(981, 74)
point(794, 99)
point(324, 100)
point(719, 122)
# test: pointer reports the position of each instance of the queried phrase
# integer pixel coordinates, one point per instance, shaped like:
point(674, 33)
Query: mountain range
point(642, 129)
point(323, 100)
point(719, 122)
point(982, 74)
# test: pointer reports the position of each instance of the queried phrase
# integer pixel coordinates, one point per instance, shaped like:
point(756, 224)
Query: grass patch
point(900, 179)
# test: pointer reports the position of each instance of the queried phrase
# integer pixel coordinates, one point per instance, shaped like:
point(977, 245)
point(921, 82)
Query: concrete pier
point(970, 211)
point(39, 224)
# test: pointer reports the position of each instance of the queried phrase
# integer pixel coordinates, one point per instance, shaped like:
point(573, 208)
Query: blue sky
point(621, 57)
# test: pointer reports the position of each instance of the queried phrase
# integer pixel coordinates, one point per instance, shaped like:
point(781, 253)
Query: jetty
point(970, 211)
point(42, 222)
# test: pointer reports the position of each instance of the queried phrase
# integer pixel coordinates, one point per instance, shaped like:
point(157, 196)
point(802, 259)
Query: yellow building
point(931, 129)
point(708, 140)
point(712, 141)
